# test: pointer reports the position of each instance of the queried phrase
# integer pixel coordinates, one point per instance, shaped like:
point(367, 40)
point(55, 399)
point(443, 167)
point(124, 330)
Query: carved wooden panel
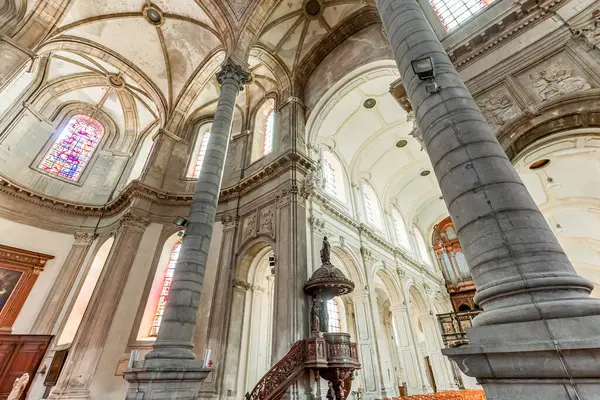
point(20, 354)
point(19, 270)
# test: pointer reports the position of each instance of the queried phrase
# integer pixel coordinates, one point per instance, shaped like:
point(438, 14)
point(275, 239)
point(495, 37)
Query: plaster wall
point(42, 241)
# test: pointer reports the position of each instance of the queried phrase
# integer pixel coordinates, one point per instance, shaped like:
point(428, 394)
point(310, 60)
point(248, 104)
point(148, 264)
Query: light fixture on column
point(180, 221)
point(424, 68)
point(550, 182)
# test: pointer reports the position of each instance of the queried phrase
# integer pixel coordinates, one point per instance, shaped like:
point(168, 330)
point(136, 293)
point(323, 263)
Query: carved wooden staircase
point(332, 355)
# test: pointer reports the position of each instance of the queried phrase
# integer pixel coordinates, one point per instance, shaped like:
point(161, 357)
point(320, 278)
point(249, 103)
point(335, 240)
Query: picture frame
point(19, 269)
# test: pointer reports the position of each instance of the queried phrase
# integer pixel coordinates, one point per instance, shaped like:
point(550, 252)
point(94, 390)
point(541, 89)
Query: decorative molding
point(232, 71)
point(135, 222)
point(84, 238)
point(241, 284)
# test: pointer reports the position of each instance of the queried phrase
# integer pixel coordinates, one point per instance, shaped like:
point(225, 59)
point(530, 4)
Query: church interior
point(300, 199)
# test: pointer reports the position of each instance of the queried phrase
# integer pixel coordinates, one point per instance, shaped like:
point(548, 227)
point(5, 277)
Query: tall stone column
point(526, 285)
point(86, 349)
point(47, 321)
point(170, 371)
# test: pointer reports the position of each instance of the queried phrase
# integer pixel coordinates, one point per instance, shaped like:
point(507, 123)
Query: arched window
point(423, 252)
point(400, 229)
point(199, 151)
point(73, 148)
point(166, 286)
point(371, 207)
point(333, 176)
point(262, 141)
point(333, 311)
point(453, 13)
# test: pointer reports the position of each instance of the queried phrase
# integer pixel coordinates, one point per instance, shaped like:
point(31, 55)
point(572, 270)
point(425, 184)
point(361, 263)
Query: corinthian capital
point(233, 72)
point(132, 221)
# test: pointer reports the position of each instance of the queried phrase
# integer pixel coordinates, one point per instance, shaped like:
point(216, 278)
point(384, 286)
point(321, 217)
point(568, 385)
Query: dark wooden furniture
point(20, 354)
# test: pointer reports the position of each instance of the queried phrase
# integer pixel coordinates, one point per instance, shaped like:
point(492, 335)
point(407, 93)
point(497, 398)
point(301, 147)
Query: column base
point(555, 359)
point(165, 379)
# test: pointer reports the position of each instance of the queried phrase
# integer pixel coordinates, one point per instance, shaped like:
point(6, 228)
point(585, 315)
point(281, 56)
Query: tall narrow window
point(333, 176)
point(423, 251)
point(400, 229)
point(166, 286)
point(73, 149)
point(264, 124)
point(453, 13)
point(199, 151)
point(333, 311)
point(371, 207)
point(268, 141)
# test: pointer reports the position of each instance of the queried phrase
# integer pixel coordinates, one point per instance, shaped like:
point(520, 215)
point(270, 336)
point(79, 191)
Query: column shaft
point(47, 321)
point(175, 338)
point(85, 351)
point(520, 270)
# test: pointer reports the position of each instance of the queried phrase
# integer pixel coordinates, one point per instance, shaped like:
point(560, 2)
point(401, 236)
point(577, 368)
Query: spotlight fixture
point(272, 263)
point(180, 221)
point(424, 68)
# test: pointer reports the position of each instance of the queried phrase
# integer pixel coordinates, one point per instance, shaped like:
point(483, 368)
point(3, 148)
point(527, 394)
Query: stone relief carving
point(556, 79)
point(229, 220)
point(19, 387)
point(416, 132)
point(249, 229)
point(267, 220)
point(589, 30)
point(317, 224)
point(497, 107)
point(242, 284)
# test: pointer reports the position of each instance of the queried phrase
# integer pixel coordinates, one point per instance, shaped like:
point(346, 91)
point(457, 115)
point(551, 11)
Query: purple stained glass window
point(73, 148)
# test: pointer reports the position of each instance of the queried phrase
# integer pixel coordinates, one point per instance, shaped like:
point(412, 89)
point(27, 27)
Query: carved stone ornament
point(232, 72)
point(84, 238)
point(249, 229)
point(589, 30)
point(19, 387)
point(242, 284)
point(267, 220)
point(229, 220)
point(415, 132)
point(557, 79)
point(317, 224)
point(136, 222)
point(367, 255)
point(497, 107)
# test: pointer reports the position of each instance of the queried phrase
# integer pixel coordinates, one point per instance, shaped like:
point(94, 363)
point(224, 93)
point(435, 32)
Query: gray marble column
point(86, 349)
point(170, 370)
point(47, 321)
point(524, 280)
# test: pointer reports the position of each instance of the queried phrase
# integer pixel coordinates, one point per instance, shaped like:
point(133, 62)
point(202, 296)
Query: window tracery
point(73, 148)
point(453, 13)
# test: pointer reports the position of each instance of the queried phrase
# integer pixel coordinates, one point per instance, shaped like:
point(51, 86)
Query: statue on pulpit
point(315, 313)
point(19, 387)
point(326, 251)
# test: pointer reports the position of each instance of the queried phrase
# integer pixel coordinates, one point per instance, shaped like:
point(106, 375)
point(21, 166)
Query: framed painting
point(19, 270)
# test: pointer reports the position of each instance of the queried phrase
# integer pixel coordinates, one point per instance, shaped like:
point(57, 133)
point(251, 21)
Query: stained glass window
point(452, 13)
point(200, 152)
point(268, 141)
point(73, 148)
point(333, 311)
point(164, 294)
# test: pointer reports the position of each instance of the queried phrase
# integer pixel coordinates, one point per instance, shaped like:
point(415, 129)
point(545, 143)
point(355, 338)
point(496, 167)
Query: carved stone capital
point(232, 72)
point(229, 220)
point(135, 222)
point(84, 238)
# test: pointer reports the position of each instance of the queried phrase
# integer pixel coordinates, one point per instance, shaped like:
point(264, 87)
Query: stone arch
point(348, 263)
point(393, 290)
point(249, 252)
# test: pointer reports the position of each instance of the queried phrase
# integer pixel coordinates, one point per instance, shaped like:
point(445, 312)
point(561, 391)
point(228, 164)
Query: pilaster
point(75, 379)
point(48, 318)
point(164, 143)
